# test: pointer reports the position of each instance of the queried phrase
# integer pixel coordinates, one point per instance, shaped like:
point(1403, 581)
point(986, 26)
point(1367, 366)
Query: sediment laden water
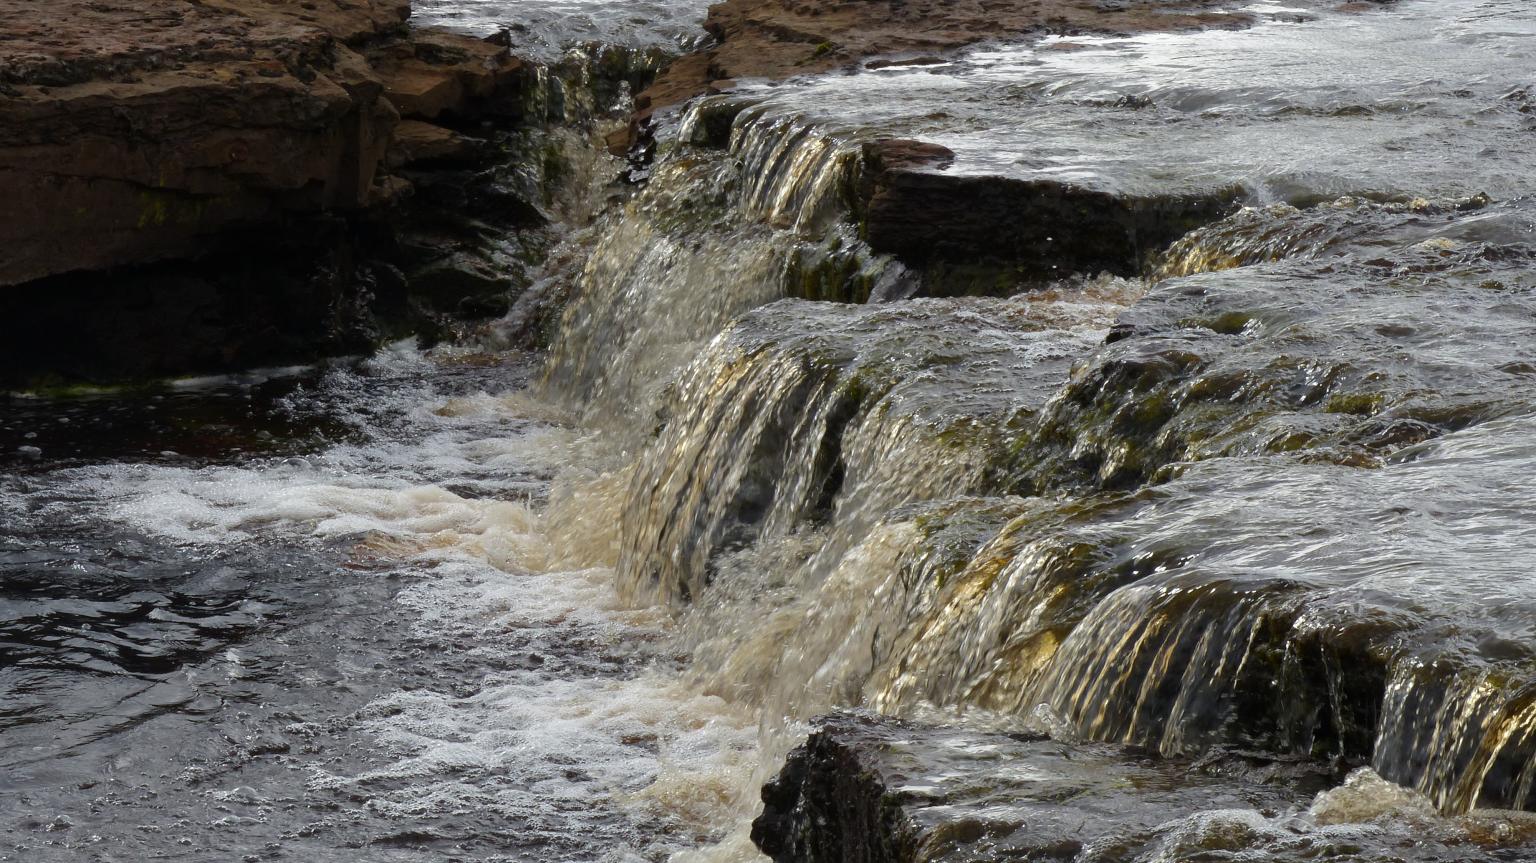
point(371, 643)
point(545, 29)
point(1275, 500)
point(1251, 598)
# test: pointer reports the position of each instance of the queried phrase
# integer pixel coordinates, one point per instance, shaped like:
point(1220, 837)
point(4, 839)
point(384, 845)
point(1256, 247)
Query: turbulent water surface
point(543, 28)
point(1267, 500)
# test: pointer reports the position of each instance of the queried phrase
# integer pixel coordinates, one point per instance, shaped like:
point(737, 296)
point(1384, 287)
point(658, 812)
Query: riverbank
point(210, 187)
point(248, 184)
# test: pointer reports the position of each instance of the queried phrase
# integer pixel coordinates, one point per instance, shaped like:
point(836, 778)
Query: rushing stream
point(1265, 495)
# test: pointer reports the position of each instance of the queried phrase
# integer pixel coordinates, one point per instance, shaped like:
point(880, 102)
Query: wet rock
point(872, 789)
point(876, 790)
point(416, 143)
point(894, 154)
point(1271, 603)
point(463, 282)
point(1256, 235)
point(235, 306)
point(961, 228)
point(1326, 358)
point(438, 73)
point(262, 149)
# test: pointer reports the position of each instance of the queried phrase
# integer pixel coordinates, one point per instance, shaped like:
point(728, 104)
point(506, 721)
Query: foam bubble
point(1365, 796)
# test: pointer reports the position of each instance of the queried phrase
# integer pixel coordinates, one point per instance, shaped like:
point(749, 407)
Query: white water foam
point(577, 725)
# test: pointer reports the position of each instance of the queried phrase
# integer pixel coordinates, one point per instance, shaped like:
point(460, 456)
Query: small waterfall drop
point(714, 233)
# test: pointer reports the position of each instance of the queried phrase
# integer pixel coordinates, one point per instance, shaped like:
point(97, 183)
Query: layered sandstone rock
point(134, 131)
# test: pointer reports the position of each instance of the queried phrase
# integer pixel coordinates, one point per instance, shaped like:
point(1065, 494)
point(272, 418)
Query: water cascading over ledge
point(1242, 603)
point(1347, 359)
point(1234, 599)
point(702, 243)
point(748, 203)
point(1171, 546)
point(1101, 556)
point(806, 414)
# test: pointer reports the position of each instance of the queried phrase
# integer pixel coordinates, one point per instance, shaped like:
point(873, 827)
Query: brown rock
point(438, 73)
point(416, 142)
point(135, 131)
point(896, 153)
point(620, 140)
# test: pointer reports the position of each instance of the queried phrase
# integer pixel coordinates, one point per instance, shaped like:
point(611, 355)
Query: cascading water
point(809, 413)
point(1269, 503)
point(698, 237)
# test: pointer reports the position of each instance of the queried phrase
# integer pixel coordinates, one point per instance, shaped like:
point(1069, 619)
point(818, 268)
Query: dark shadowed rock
point(874, 790)
point(1033, 229)
point(416, 142)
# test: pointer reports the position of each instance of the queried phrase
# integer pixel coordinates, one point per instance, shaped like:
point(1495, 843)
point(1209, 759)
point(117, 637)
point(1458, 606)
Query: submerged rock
point(1395, 338)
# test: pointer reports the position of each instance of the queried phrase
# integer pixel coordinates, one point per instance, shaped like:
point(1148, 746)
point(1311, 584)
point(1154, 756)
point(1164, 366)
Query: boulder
point(416, 142)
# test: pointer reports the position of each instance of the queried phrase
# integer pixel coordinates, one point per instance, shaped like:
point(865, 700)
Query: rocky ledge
point(875, 790)
point(133, 131)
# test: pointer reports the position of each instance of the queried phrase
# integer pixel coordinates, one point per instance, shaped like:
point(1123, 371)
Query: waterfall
point(1106, 509)
point(805, 414)
point(1096, 466)
point(713, 233)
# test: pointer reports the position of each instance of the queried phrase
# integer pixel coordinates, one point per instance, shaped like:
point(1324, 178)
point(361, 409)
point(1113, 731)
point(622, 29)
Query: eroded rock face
point(132, 133)
point(962, 229)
